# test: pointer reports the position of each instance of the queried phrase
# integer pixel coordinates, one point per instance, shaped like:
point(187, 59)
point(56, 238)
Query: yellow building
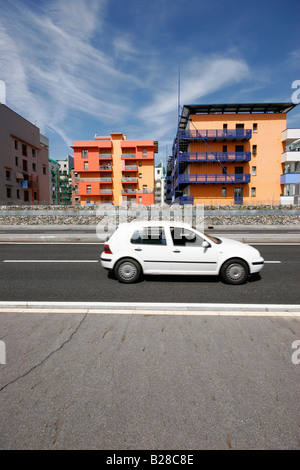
point(228, 154)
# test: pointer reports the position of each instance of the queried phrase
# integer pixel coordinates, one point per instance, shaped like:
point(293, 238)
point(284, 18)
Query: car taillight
point(107, 250)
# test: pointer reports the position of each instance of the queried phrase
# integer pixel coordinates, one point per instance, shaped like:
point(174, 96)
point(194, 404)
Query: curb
point(127, 307)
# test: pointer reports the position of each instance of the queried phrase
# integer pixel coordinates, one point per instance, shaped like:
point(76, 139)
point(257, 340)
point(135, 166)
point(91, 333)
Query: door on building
point(238, 195)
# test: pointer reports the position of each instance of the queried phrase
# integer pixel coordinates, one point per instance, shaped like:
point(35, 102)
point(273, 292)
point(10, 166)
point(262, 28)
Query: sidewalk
point(87, 233)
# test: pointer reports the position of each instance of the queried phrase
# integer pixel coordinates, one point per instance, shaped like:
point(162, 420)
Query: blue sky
point(81, 67)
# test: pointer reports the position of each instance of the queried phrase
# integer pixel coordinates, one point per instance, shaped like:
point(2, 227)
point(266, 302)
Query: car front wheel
point(127, 271)
point(235, 271)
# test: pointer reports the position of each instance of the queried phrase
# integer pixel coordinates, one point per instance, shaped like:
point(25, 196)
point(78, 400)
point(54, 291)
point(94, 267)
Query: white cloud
point(58, 62)
point(199, 79)
point(49, 51)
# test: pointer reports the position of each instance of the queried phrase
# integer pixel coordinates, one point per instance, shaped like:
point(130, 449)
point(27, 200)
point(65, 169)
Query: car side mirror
point(205, 244)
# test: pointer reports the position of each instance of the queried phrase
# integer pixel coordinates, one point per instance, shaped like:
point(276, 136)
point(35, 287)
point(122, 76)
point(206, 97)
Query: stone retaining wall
point(92, 215)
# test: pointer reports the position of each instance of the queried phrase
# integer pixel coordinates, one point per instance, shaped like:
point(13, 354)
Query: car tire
point(235, 271)
point(127, 271)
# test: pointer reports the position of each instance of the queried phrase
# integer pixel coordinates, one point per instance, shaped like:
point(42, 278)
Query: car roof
point(155, 223)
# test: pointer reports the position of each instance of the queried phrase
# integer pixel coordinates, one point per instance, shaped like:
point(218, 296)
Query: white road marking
point(272, 262)
point(50, 261)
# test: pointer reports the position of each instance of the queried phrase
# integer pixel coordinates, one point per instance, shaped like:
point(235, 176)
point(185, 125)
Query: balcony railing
point(105, 180)
point(106, 156)
point(215, 157)
point(87, 180)
point(130, 168)
point(290, 156)
point(136, 191)
point(105, 191)
point(129, 180)
point(290, 178)
point(214, 178)
point(128, 155)
point(105, 168)
point(216, 134)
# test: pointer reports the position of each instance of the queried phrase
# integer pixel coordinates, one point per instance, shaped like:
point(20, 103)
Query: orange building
point(114, 169)
point(228, 154)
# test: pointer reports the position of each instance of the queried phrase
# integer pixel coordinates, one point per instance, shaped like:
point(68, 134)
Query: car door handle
point(177, 251)
point(138, 249)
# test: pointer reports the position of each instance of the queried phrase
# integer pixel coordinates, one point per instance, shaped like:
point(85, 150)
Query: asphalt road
point(67, 272)
point(156, 382)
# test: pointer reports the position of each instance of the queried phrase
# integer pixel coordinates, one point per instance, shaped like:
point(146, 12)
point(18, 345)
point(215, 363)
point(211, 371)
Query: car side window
point(184, 237)
point(149, 236)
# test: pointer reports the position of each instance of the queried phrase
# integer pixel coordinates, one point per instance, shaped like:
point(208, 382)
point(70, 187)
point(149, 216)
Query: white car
point(138, 248)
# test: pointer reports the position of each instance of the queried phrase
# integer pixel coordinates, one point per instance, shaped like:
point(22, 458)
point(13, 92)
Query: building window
point(224, 126)
point(16, 144)
point(44, 170)
point(140, 175)
point(140, 163)
point(33, 167)
point(255, 127)
point(86, 165)
point(8, 193)
point(18, 194)
point(35, 195)
point(254, 149)
point(239, 148)
point(88, 189)
point(33, 153)
point(84, 153)
point(25, 167)
point(24, 150)
point(88, 200)
point(16, 161)
point(253, 192)
point(224, 170)
point(224, 148)
point(253, 171)
point(144, 153)
point(224, 192)
point(7, 175)
point(239, 126)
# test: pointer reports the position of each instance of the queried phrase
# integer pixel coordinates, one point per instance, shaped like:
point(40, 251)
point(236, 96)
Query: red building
point(114, 169)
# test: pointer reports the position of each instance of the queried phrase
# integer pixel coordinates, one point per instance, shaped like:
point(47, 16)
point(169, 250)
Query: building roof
point(252, 108)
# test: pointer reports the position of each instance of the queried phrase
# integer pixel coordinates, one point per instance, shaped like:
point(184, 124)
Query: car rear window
point(149, 236)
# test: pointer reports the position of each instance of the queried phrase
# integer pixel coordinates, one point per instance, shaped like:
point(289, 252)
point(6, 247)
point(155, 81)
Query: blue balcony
point(214, 178)
point(184, 200)
point(216, 134)
point(290, 178)
point(196, 157)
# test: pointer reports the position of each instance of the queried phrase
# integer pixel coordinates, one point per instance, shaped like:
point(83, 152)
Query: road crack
point(47, 357)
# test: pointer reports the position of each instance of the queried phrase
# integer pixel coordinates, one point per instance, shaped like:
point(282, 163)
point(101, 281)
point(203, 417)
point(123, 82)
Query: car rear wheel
point(128, 271)
point(235, 271)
